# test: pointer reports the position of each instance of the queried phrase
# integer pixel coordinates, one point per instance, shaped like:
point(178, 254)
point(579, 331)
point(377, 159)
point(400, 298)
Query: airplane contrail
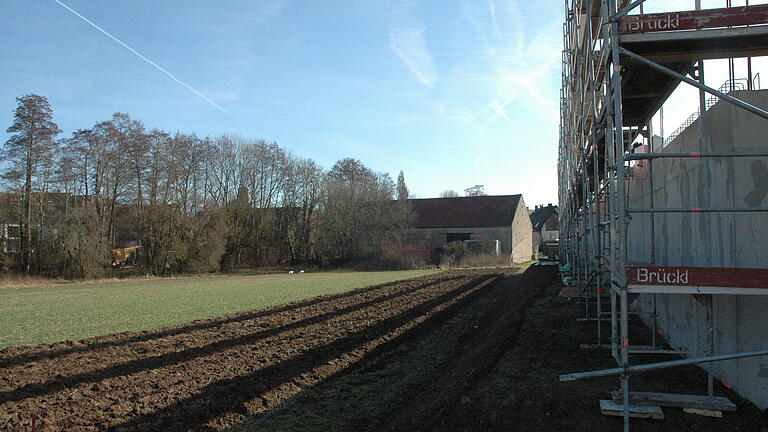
point(157, 66)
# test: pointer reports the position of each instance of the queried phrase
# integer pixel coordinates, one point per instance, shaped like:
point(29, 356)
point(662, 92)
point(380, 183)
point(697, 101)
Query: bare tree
point(476, 190)
point(302, 197)
point(359, 213)
point(31, 146)
point(156, 168)
point(118, 140)
point(450, 193)
point(192, 204)
point(223, 169)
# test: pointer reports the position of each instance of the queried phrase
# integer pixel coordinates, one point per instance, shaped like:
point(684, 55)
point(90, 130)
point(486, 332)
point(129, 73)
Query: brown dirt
point(495, 367)
point(522, 391)
point(457, 351)
point(209, 374)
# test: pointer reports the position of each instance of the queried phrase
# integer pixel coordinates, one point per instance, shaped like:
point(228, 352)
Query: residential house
point(546, 231)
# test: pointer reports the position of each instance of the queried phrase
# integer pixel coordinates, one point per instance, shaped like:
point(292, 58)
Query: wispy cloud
point(150, 62)
point(267, 8)
point(363, 150)
point(461, 116)
point(237, 58)
point(409, 44)
point(517, 61)
point(498, 111)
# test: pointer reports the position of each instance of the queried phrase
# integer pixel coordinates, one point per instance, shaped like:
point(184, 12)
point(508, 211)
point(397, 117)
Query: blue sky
point(453, 92)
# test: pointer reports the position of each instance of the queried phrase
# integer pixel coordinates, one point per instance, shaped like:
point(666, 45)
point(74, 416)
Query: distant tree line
point(191, 204)
point(476, 190)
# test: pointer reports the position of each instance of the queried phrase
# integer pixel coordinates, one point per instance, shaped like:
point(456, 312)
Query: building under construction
point(673, 230)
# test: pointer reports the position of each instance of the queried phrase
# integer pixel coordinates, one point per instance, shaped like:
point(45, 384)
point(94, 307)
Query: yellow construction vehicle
point(121, 255)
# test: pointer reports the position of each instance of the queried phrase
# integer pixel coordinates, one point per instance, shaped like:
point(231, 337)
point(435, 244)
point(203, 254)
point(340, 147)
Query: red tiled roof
point(480, 211)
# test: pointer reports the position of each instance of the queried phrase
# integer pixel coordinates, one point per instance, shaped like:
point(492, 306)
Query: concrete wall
point(710, 239)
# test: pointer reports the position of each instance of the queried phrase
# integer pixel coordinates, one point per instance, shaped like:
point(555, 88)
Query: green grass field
point(52, 313)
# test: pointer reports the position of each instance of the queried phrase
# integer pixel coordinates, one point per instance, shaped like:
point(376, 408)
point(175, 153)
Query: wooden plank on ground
point(610, 408)
point(715, 403)
point(705, 413)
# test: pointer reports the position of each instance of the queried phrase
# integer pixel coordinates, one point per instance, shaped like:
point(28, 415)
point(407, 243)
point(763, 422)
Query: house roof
point(479, 211)
point(540, 216)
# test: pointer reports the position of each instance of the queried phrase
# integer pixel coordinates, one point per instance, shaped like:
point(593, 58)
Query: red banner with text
point(698, 276)
point(691, 20)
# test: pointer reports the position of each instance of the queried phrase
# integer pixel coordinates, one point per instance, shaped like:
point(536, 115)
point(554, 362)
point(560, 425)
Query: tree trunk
point(26, 240)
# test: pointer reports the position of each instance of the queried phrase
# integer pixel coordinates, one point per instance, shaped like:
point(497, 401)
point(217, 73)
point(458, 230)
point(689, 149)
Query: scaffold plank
point(703, 44)
point(610, 408)
point(637, 349)
point(677, 400)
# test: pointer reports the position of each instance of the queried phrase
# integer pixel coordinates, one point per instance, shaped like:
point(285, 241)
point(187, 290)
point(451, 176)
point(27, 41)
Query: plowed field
point(209, 374)
point(456, 351)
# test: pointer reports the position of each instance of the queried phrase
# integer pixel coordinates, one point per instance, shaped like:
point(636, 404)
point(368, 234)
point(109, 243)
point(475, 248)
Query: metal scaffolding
point(618, 68)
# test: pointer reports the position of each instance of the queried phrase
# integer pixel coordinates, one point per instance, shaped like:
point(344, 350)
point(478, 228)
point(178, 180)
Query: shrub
point(405, 256)
point(452, 254)
point(75, 249)
point(6, 263)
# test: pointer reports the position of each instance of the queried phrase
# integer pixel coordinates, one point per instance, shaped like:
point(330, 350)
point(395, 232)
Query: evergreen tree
point(402, 189)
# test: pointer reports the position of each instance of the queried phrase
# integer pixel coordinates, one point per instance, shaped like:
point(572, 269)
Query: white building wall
point(522, 234)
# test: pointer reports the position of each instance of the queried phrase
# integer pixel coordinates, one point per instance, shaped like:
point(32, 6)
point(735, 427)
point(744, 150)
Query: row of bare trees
point(189, 203)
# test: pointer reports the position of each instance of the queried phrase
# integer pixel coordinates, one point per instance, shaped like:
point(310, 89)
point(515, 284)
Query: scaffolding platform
point(618, 69)
point(644, 89)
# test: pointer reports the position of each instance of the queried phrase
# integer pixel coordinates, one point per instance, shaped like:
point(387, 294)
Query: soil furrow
point(14, 356)
point(27, 381)
point(257, 355)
